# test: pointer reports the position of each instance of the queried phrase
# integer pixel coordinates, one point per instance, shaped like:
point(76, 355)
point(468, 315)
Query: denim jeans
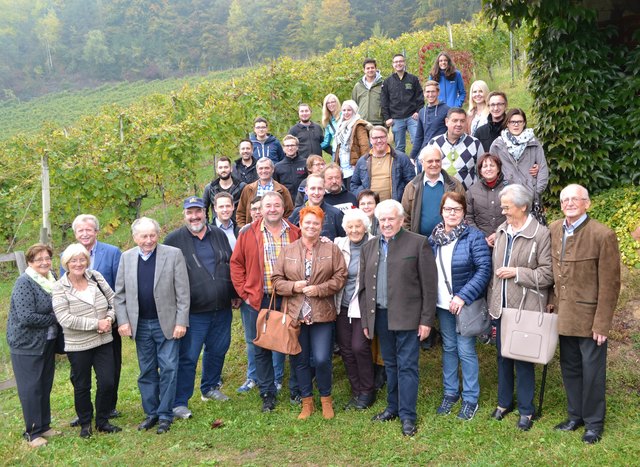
point(316, 342)
point(457, 349)
point(213, 331)
point(400, 352)
point(158, 360)
point(400, 127)
point(249, 317)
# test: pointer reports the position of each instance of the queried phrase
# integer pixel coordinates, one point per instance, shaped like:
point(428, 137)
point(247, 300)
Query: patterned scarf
point(516, 144)
point(440, 237)
point(45, 282)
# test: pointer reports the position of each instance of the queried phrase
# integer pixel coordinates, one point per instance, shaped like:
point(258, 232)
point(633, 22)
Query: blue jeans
point(158, 360)
point(400, 352)
point(400, 127)
point(213, 331)
point(526, 380)
point(249, 317)
point(457, 349)
point(316, 341)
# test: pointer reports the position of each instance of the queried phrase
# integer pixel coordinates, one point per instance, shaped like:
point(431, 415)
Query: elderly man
point(152, 306)
point(207, 253)
point(397, 293)
point(252, 264)
point(265, 183)
point(586, 271)
point(332, 224)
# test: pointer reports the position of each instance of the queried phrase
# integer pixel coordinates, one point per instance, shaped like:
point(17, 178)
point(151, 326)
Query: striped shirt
point(272, 248)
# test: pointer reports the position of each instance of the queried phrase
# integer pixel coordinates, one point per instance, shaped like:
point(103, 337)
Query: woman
point(330, 116)
point(308, 273)
point(351, 139)
point(355, 348)
point(315, 165)
point(522, 156)
point(521, 271)
point(483, 203)
point(31, 334)
point(478, 106)
point(464, 270)
point(367, 201)
point(83, 303)
point(451, 84)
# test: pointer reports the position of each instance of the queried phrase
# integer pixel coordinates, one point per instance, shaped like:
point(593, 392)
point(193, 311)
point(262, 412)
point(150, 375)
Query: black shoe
point(108, 428)
point(384, 416)
point(525, 422)
point(364, 401)
point(409, 428)
point(353, 402)
point(379, 377)
point(499, 414)
point(147, 423)
point(86, 432)
point(114, 413)
point(75, 422)
point(268, 403)
point(592, 436)
point(569, 425)
point(163, 426)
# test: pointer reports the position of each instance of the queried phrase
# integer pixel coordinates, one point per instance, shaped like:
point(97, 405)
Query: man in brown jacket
point(397, 294)
point(586, 271)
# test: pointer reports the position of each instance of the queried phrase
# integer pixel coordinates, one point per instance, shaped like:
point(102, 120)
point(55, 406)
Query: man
point(397, 292)
point(366, 93)
point(255, 212)
point(459, 150)
point(430, 119)
point(225, 182)
point(223, 207)
point(310, 135)
point(422, 196)
point(252, 264)
point(332, 224)
point(384, 170)
point(586, 271)
point(207, 253)
point(336, 194)
point(401, 100)
point(264, 143)
point(152, 306)
point(264, 184)
point(244, 168)
point(291, 170)
point(488, 132)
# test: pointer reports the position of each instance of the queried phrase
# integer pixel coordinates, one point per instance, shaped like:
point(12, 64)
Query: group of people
point(368, 251)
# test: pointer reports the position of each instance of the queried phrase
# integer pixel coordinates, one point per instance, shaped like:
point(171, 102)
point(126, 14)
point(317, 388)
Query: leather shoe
point(384, 416)
point(364, 401)
point(108, 428)
point(147, 423)
point(351, 404)
point(114, 413)
point(525, 422)
point(163, 426)
point(409, 428)
point(592, 436)
point(569, 425)
point(86, 432)
point(499, 414)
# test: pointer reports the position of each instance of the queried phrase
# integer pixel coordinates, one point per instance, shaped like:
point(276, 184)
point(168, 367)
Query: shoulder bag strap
point(444, 273)
point(94, 279)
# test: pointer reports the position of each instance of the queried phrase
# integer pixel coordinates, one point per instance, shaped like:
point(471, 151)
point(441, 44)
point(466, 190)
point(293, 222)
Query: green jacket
point(368, 101)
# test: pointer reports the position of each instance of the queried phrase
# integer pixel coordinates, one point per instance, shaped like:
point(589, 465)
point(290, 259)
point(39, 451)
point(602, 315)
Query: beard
point(224, 177)
point(196, 228)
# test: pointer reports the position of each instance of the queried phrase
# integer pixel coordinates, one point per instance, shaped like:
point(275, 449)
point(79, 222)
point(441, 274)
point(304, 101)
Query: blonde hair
point(73, 250)
point(326, 115)
point(473, 107)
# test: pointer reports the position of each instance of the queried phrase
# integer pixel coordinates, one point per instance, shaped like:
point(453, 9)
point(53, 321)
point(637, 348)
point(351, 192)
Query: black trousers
point(355, 350)
point(117, 365)
point(101, 360)
point(34, 378)
point(584, 373)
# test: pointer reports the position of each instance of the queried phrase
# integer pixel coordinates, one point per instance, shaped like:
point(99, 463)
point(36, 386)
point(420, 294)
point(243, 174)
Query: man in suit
point(397, 294)
point(152, 307)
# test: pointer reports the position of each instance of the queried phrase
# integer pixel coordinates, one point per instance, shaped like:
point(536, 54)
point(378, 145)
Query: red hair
point(315, 210)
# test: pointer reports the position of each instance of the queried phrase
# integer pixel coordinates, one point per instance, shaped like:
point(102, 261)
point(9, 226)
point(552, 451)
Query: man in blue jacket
point(431, 120)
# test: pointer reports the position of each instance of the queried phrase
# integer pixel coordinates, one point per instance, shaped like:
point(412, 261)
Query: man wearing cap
point(207, 253)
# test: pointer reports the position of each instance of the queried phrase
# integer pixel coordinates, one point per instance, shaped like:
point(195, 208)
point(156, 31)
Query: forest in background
point(55, 45)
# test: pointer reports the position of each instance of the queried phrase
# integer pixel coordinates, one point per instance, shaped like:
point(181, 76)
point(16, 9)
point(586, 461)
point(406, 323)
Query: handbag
point(472, 320)
point(537, 209)
point(276, 330)
point(527, 335)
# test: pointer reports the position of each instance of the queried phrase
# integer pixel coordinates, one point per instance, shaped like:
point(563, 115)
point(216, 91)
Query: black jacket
point(213, 188)
point(401, 98)
point(332, 225)
point(488, 132)
point(243, 173)
point(290, 172)
point(310, 137)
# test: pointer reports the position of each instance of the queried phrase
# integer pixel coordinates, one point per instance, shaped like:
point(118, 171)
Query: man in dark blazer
point(152, 306)
point(397, 294)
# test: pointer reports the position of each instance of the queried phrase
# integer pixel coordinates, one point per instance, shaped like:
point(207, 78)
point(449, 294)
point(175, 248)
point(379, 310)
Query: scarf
point(516, 144)
point(344, 129)
point(442, 238)
point(46, 283)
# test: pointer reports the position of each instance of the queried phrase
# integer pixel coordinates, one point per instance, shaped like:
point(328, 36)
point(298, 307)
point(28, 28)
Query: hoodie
point(271, 148)
point(430, 124)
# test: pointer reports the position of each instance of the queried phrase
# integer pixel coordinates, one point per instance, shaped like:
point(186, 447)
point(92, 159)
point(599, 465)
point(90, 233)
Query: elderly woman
point(464, 270)
point(31, 335)
point(355, 348)
point(521, 154)
point(478, 106)
point(83, 303)
point(522, 275)
point(483, 202)
point(308, 273)
point(351, 139)
point(315, 165)
point(330, 116)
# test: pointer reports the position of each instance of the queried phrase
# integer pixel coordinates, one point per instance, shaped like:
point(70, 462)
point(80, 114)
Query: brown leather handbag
point(276, 330)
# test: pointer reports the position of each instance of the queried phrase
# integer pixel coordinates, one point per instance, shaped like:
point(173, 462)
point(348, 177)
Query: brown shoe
point(51, 432)
point(327, 407)
point(307, 408)
point(37, 442)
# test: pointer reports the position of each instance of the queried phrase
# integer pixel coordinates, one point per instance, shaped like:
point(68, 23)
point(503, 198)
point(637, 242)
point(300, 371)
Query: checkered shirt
point(272, 248)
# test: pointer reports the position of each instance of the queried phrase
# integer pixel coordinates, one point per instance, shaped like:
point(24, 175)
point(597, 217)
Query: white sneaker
point(182, 412)
point(214, 395)
point(247, 386)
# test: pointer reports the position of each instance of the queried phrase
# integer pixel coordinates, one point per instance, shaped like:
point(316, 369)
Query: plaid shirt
point(272, 248)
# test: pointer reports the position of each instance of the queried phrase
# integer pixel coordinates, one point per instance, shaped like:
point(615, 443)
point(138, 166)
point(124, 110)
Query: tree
point(96, 52)
point(48, 31)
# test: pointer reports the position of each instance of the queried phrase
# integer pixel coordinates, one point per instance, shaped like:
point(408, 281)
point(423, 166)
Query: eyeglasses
point(378, 138)
point(256, 209)
point(46, 259)
point(572, 199)
point(318, 164)
point(290, 145)
point(499, 104)
point(260, 127)
point(516, 122)
point(432, 162)
point(78, 261)
point(448, 210)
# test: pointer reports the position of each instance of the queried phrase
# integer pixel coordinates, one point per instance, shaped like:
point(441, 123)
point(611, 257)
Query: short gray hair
point(85, 218)
point(428, 149)
point(356, 215)
point(139, 223)
point(73, 250)
point(520, 195)
point(389, 204)
point(263, 159)
point(574, 186)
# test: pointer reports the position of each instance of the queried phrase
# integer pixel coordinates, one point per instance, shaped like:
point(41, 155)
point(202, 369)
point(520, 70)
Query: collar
point(426, 180)
point(220, 225)
point(454, 143)
point(147, 255)
point(569, 228)
point(511, 231)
